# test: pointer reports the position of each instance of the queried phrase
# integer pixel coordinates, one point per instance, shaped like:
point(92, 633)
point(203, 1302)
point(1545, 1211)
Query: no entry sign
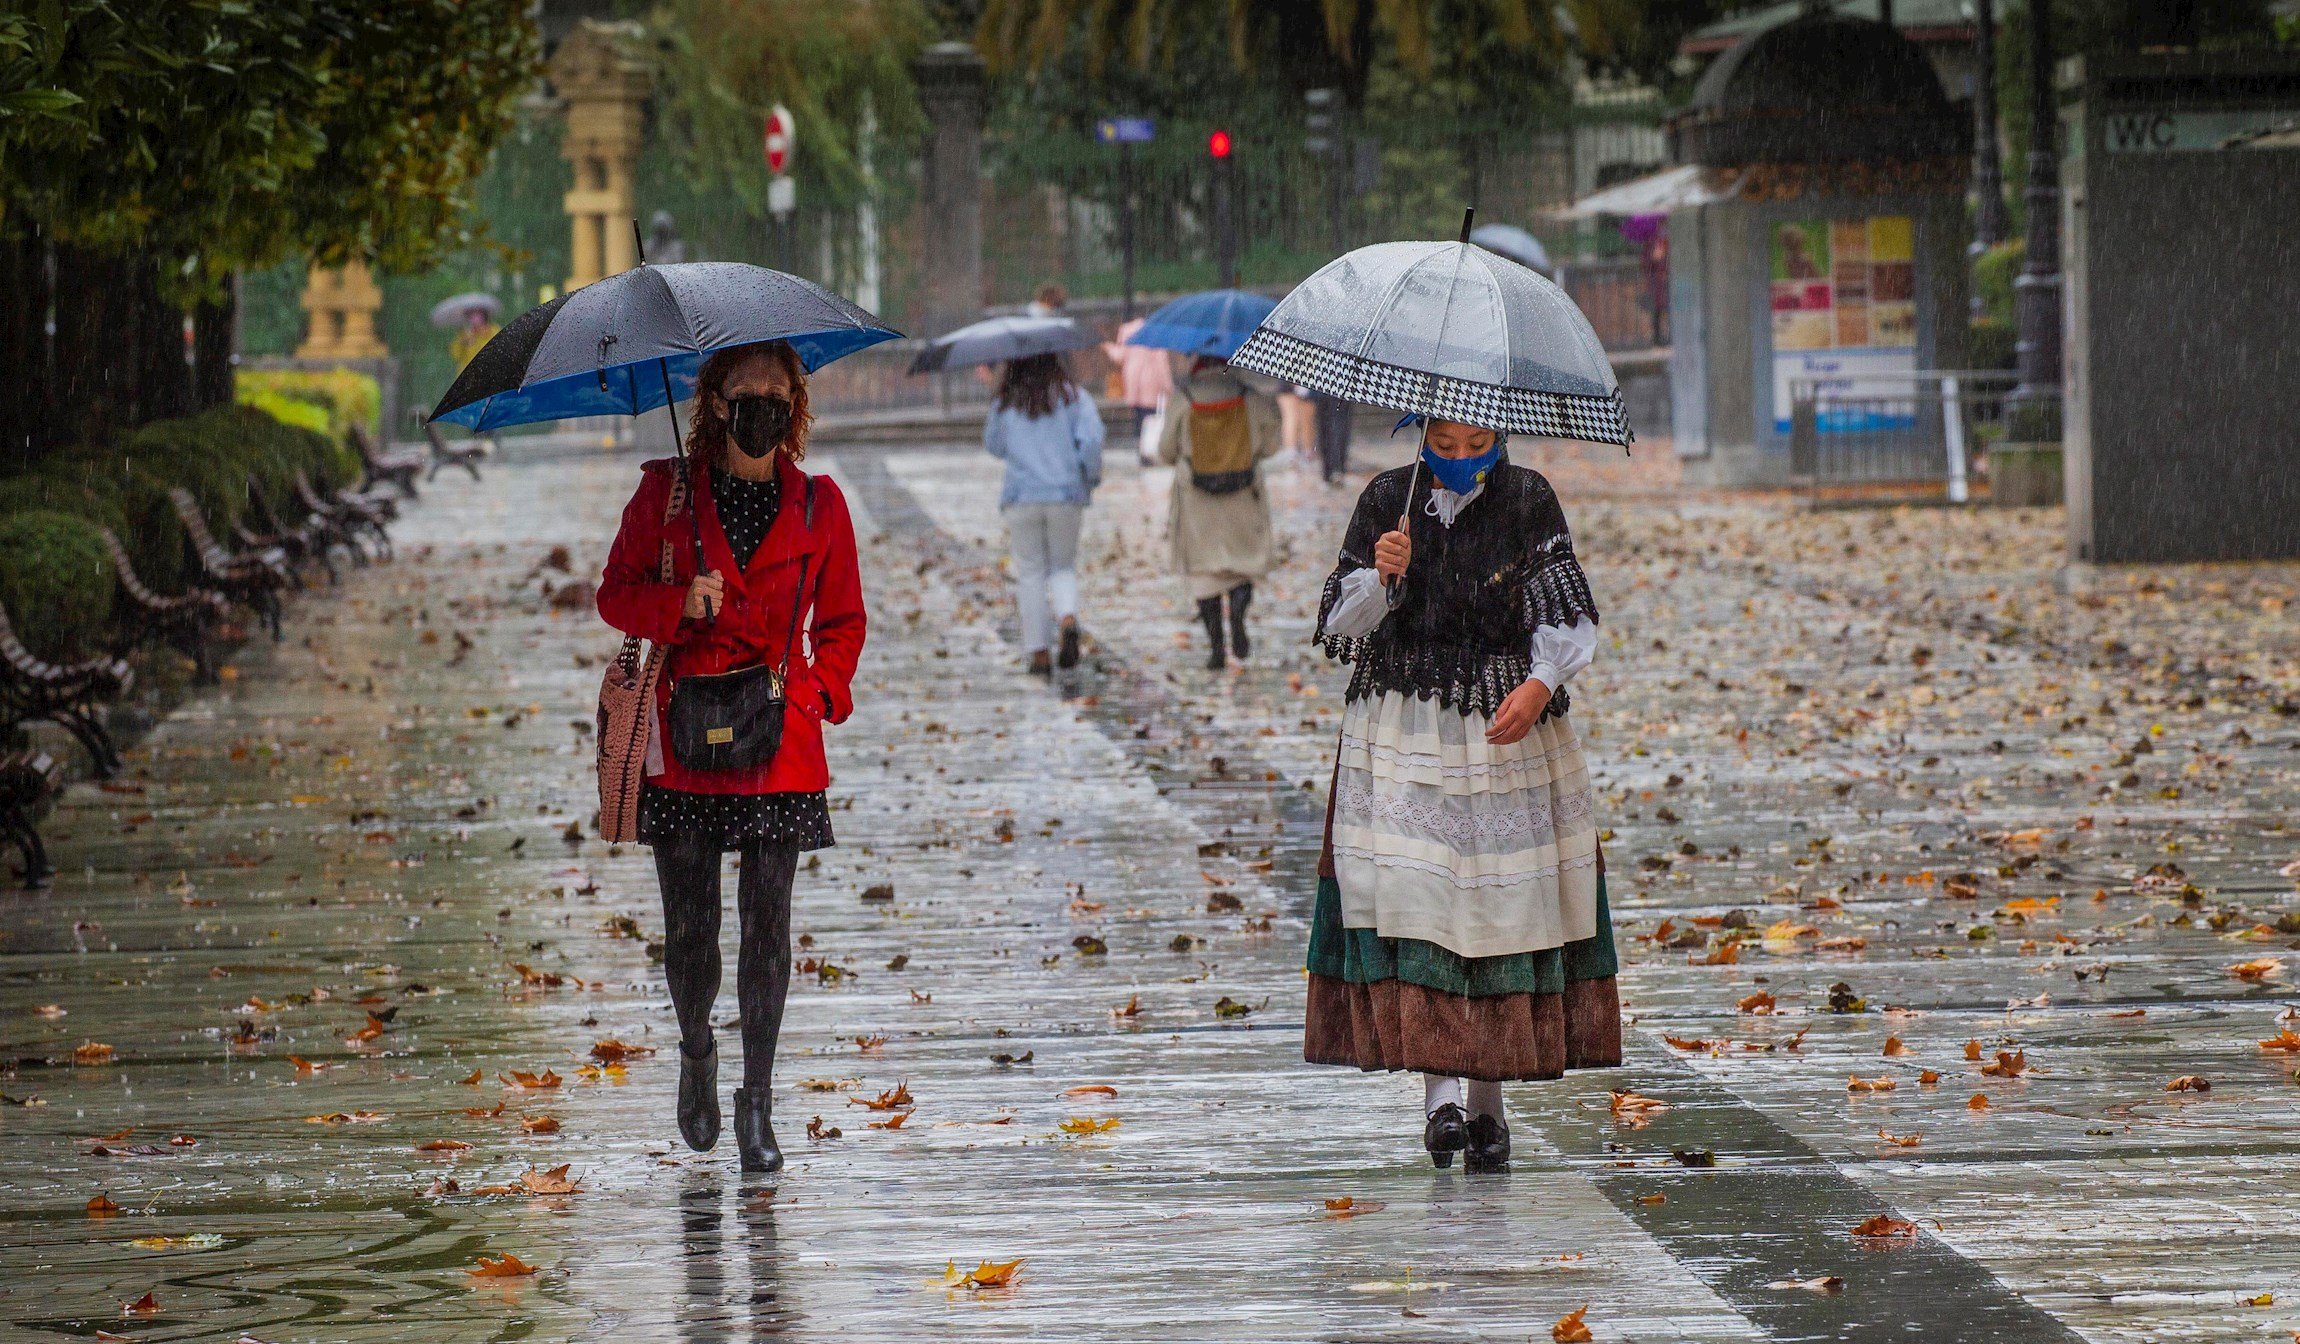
point(780, 137)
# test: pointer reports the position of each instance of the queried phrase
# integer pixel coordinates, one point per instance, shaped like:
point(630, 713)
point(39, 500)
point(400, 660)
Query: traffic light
point(1218, 144)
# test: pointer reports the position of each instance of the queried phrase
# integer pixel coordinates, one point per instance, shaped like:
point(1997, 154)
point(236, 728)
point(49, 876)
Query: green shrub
point(286, 409)
point(1992, 345)
point(1993, 277)
point(347, 396)
point(101, 486)
point(221, 454)
point(56, 582)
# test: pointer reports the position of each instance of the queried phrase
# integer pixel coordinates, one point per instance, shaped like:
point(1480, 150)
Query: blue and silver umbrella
point(1212, 324)
point(995, 340)
point(635, 341)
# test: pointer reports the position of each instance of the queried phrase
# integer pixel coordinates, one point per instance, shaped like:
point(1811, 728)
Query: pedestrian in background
point(1048, 432)
point(1333, 430)
point(775, 545)
point(1146, 379)
point(1460, 929)
point(1216, 436)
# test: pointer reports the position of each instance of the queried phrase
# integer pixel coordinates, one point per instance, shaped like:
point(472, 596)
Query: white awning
point(1678, 188)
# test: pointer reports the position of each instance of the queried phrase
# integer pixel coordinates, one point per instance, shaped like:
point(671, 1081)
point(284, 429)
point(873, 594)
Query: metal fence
point(1922, 433)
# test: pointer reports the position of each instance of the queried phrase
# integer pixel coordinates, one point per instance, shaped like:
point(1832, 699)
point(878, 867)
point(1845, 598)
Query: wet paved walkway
point(1896, 752)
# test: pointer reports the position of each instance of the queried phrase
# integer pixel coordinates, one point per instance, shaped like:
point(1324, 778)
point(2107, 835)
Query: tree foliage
point(211, 135)
point(721, 64)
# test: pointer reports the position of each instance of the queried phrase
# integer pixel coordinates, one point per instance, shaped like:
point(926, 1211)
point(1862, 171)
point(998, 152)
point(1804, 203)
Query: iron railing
point(1924, 431)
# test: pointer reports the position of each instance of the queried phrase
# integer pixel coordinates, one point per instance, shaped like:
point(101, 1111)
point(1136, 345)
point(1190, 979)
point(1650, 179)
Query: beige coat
point(1218, 534)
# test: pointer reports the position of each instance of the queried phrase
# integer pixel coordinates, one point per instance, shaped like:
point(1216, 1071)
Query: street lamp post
point(1225, 209)
point(1989, 222)
point(2036, 293)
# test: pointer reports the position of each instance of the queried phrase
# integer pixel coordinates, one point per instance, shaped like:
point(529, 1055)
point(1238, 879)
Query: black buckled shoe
point(1488, 1145)
point(1446, 1133)
point(699, 1099)
point(1067, 656)
point(755, 1132)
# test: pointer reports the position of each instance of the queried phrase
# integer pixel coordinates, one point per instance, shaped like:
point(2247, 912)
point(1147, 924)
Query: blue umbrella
point(1213, 324)
point(635, 341)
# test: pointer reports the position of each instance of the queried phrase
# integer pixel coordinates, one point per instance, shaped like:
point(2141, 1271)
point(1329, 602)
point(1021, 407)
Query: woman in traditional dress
point(1461, 928)
point(777, 546)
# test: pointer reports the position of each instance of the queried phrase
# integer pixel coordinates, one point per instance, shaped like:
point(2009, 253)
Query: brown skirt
point(1406, 1004)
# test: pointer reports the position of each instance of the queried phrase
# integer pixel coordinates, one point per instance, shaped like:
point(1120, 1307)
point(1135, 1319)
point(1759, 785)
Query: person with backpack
point(1048, 432)
point(1218, 524)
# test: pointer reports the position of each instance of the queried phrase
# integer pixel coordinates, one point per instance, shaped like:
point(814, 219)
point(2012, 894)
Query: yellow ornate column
point(342, 301)
point(600, 77)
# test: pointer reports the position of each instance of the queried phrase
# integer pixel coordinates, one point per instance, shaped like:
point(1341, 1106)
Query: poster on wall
point(1844, 298)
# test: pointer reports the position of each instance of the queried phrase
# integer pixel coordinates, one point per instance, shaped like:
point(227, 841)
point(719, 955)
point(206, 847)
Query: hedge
point(346, 397)
point(56, 582)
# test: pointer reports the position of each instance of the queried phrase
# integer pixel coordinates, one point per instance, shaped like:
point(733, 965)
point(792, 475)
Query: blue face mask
point(1461, 474)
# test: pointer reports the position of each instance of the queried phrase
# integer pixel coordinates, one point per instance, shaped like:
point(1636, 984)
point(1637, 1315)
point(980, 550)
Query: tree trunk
point(213, 328)
point(24, 302)
point(85, 394)
point(163, 374)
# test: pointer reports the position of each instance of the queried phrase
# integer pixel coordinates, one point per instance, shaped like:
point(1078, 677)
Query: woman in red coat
point(764, 524)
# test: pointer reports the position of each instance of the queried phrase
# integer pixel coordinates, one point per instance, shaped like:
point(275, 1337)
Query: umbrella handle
point(1405, 522)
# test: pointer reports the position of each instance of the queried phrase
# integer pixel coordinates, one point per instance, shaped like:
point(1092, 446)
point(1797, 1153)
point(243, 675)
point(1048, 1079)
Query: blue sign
point(1125, 130)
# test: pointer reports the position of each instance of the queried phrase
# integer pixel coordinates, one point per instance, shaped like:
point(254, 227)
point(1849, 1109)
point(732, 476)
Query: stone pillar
point(950, 88)
point(342, 301)
point(603, 82)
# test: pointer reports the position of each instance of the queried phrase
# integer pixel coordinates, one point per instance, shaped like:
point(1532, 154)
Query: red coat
point(751, 627)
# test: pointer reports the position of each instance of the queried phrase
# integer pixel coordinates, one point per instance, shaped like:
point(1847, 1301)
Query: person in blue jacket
point(1049, 434)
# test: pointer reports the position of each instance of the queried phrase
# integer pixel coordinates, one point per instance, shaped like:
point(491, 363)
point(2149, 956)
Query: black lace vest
point(1462, 631)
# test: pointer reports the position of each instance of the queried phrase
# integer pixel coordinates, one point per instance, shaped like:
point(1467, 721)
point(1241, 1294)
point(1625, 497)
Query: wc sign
point(2200, 132)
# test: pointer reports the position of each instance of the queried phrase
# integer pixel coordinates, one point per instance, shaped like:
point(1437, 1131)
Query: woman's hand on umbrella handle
point(705, 596)
point(1518, 713)
point(1393, 553)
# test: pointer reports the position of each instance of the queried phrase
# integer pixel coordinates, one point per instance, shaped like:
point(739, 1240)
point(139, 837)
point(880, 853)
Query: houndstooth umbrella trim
point(1513, 410)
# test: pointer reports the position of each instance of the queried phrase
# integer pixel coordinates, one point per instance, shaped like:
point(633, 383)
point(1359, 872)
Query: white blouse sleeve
point(1361, 606)
point(1560, 651)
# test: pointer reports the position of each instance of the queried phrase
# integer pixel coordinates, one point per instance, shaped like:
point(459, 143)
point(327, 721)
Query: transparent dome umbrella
point(1445, 330)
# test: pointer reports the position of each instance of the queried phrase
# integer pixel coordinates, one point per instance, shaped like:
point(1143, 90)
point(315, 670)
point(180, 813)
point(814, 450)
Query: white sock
point(1485, 1099)
point(1437, 1091)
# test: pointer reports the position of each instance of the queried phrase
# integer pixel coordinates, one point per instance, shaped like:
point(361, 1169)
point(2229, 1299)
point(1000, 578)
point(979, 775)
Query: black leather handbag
point(734, 720)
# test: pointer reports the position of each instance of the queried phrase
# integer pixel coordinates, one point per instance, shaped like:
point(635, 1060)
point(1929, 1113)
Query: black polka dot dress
point(746, 510)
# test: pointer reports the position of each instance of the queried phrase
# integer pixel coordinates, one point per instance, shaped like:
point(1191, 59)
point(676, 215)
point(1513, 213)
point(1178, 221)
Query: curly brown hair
point(707, 431)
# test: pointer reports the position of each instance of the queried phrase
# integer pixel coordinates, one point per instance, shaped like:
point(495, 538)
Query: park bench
point(309, 540)
point(65, 694)
point(30, 779)
point(253, 579)
point(398, 469)
point(466, 454)
point(356, 517)
point(185, 622)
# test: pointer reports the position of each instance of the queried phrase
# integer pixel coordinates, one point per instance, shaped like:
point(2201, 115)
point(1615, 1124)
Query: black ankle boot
point(755, 1132)
point(699, 1099)
point(1210, 614)
point(1445, 1134)
point(1488, 1145)
point(1241, 597)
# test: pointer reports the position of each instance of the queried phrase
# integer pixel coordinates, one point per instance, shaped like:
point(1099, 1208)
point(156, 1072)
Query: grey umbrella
point(449, 312)
point(1002, 338)
point(1448, 330)
point(1516, 244)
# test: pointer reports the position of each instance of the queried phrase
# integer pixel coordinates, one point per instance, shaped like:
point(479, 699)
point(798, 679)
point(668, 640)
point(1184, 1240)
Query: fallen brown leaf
point(1570, 1329)
point(93, 1052)
point(1894, 1047)
point(540, 1124)
point(2009, 1064)
point(894, 1099)
point(2189, 1082)
point(443, 1146)
point(1980, 1102)
point(1886, 1227)
point(1091, 1090)
point(612, 1051)
point(101, 1206)
point(1759, 1002)
point(504, 1266)
point(552, 1182)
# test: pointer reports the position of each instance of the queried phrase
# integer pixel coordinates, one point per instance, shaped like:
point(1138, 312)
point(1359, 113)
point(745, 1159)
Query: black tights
point(688, 868)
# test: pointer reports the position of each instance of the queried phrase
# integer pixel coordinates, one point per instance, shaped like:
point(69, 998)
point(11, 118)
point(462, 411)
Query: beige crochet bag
point(627, 711)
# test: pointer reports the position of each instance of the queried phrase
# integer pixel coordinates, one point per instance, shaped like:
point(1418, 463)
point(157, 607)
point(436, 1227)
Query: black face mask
point(758, 425)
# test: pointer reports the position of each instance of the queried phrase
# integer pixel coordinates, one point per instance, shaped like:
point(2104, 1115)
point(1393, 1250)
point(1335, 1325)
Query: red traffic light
point(1218, 144)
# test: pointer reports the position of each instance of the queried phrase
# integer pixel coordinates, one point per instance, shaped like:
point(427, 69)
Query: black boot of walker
point(699, 1099)
point(755, 1132)
point(1241, 597)
point(1210, 614)
point(1445, 1133)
